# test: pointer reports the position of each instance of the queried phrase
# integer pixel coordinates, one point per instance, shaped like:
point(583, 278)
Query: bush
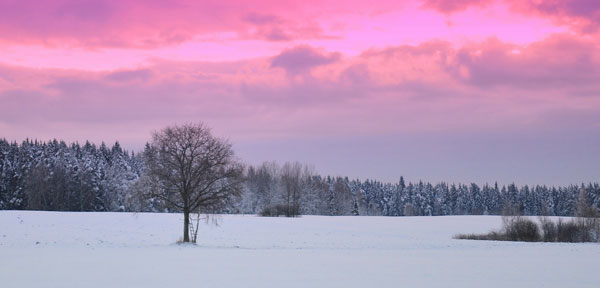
point(492, 236)
point(549, 230)
point(519, 228)
point(579, 230)
point(280, 210)
point(567, 231)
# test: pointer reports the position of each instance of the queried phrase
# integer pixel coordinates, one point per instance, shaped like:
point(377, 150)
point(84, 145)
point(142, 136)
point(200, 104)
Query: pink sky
point(360, 88)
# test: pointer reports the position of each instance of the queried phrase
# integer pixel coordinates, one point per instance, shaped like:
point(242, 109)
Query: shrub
point(567, 231)
point(549, 230)
point(519, 228)
point(280, 210)
point(578, 230)
point(594, 227)
point(493, 236)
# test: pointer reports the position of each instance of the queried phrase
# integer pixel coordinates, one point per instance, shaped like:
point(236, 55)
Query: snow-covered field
point(51, 249)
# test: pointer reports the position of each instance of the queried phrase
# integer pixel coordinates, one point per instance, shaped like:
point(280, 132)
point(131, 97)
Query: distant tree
point(476, 205)
point(195, 170)
point(583, 208)
point(291, 184)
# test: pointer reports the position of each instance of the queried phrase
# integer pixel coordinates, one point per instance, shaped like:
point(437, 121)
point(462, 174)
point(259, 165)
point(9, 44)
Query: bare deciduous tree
point(194, 170)
point(291, 184)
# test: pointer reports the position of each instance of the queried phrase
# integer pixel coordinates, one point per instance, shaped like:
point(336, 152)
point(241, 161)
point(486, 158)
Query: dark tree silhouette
point(194, 170)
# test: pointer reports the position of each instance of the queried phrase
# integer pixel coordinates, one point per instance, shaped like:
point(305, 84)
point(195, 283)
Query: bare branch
point(200, 167)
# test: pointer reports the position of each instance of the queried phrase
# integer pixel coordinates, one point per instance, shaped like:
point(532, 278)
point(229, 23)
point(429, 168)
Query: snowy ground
point(49, 249)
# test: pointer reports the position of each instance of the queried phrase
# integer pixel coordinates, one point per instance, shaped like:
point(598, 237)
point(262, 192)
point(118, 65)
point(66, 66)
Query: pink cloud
point(98, 24)
point(137, 23)
point(102, 23)
point(133, 34)
point(558, 8)
point(302, 58)
point(557, 61)
point(451, 6)
point(581, 15)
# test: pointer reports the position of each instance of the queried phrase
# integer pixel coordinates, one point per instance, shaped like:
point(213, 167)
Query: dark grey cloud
point(302, 58)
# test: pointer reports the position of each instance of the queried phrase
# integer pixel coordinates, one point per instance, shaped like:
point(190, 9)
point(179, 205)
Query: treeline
point(60, 177)
point(57, 176)
point(292, 184)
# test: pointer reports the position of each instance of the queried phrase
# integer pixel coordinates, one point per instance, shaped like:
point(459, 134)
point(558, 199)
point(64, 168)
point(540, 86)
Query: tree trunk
point(186, 225)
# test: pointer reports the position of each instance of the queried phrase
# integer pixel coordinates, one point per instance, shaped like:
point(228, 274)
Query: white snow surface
point(67, 249)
